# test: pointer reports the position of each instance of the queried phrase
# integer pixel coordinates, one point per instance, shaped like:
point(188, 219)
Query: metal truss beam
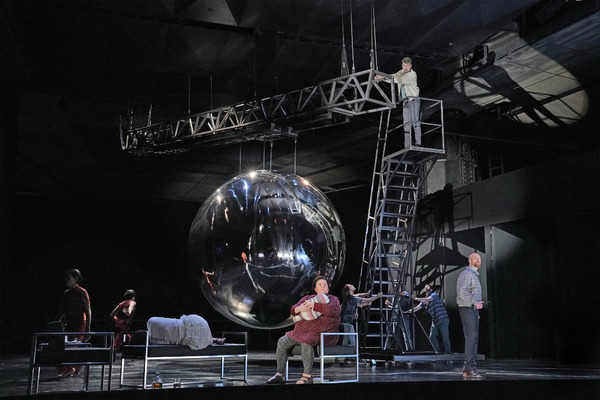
point(270, 118)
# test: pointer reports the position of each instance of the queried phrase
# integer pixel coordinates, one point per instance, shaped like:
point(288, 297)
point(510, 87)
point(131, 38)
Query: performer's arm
point(423, 299)
point(113, 313)
point(366, 302)
point(131, 309)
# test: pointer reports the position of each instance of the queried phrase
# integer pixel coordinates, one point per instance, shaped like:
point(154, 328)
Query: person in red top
point(76, 312)
point(122, 316)
point(307, 333)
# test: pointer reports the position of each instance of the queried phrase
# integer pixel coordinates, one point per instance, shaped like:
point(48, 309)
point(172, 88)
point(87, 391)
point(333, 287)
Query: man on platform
point(408, 94)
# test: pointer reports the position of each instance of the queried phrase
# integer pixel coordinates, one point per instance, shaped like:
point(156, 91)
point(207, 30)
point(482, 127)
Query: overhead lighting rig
point(271, 118)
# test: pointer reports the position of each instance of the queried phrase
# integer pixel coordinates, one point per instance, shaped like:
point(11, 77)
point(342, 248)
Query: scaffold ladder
point(387, 253)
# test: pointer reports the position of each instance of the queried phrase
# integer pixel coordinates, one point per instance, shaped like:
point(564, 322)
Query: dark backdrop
point(544, 293)
point(117, 246)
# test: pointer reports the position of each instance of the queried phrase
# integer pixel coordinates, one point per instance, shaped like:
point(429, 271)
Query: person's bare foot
point(219, 340)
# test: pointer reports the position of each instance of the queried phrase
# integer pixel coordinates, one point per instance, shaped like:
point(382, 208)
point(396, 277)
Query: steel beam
point(271, 118)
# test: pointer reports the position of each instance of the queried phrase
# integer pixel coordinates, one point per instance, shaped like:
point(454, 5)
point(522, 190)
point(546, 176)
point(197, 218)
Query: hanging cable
point(295, 144)
point(264, 156)
point(150, 115)
point(240, 158)
point(254, 65)
point(129, 117)
point(372, 51)
point(276, 77)
point(189, 94)
point(352, 38)
point(271, 157)
point(374, 33)
point(344, 69)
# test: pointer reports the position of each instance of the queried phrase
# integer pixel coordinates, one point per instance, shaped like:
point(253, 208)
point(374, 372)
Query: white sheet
point(189, 330)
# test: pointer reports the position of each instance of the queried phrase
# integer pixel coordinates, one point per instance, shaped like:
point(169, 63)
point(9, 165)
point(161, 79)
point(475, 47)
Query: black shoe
point(68, 372)
point(472, 374)
point(275, 379)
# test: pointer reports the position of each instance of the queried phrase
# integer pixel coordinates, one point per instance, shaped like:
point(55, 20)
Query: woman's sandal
point(275, 379)
point(220, 341)
point(304, 380)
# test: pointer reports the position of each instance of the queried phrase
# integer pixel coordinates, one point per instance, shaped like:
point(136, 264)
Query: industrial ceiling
point(521, 76)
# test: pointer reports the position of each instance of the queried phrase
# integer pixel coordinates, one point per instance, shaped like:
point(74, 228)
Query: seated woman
point(307, 333)
point(188, 330)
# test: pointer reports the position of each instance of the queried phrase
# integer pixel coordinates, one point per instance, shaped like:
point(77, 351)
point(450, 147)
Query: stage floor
point(543, 379)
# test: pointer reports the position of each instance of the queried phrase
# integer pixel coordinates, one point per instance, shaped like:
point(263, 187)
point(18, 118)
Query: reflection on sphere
point(258, 242)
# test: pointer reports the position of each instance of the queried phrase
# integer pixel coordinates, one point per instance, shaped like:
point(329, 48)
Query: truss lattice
point(270, 118)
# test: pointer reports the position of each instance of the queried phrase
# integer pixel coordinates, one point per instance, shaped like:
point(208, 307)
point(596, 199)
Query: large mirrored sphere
point(258, 242)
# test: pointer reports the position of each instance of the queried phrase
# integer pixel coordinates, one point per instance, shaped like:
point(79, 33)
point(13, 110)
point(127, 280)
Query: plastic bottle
point(157, 383)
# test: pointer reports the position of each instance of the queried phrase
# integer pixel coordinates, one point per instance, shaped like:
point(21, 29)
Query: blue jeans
point(470, 322)
point(442, 330)
point(348, 340)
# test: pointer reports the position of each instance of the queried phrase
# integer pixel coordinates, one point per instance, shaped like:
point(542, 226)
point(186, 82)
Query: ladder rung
point(402, 187)
point(395, 161)
point(396, 215)
point(388, 241)
point(397, 270)
point(395, 242)
point(398, 201)
point(393, 228)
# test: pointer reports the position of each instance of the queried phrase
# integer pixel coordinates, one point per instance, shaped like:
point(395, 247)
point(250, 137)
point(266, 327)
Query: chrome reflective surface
point(257, 243)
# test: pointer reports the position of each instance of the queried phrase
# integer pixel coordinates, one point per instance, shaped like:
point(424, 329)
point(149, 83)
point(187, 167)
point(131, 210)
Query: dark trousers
point(405, 325)
point(470, 322)
point(440, 331)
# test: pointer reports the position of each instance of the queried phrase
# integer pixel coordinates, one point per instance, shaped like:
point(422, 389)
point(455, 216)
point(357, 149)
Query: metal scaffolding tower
point(388, 245)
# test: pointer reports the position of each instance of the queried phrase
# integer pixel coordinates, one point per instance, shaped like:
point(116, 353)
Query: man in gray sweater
point(468, 299)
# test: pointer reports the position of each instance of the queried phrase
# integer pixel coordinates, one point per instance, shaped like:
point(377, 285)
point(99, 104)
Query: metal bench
point(236, 346)
point(51, 349)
